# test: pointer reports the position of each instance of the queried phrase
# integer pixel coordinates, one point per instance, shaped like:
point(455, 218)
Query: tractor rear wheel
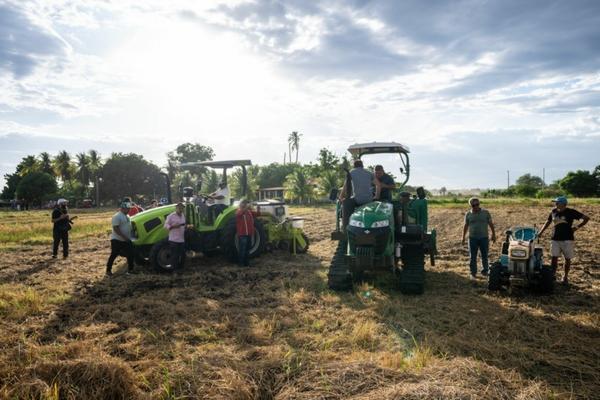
point(495, 278)
point(160, 256)
point(547, 279)
point(338, 277)
point(230, 242)
point(142, 254)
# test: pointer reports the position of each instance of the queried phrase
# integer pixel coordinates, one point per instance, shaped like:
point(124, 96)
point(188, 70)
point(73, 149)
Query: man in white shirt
point(220, 201)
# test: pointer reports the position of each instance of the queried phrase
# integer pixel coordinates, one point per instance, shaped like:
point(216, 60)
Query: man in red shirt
point(244, 221)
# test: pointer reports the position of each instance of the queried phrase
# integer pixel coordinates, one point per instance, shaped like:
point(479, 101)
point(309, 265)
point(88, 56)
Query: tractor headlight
point(358, 224)
point(518, 253)
point(380, 224)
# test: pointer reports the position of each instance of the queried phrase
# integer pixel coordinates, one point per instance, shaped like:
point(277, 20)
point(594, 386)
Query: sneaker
point(484, 273)
point(54, 256)
point(472, 277)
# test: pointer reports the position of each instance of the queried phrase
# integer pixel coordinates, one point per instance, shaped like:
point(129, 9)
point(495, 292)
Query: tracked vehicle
point(383, 236)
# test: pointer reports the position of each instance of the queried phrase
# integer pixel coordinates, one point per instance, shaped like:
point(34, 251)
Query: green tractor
point(214, 232)
point(381, 235)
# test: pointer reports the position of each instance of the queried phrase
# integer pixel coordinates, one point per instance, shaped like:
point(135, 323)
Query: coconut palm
point(46, 164)
point(294, 144)
point(63, 167)
point(83, 169)
point(28, 165)
point(328, 180)
point(95, 163)
point(297, 187)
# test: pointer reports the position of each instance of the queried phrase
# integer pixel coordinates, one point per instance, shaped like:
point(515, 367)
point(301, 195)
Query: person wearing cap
point(563, 239)
point(175, 224)
point(120, 239)
point(384, 184)
point(477, 221)
point(61, 227)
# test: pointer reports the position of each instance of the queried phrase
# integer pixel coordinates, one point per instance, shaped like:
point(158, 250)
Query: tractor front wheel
point(495, 278)
point(160, 256)
point(230, 242)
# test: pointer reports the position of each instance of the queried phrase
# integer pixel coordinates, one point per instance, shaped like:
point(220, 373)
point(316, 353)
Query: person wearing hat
point(61, 227)
point(563, 239)
point(120, 239)
point(175, 224)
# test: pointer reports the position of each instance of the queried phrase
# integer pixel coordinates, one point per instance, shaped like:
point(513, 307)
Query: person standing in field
point(244, 222)
point(61, 227)
point(175, 224)
point(120, 239)
point(563, 238)
point(477, 221)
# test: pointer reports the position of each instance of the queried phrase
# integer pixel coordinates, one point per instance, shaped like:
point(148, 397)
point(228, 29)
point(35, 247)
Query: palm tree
point(95, 163)
point(46, 163)
point(28, 165)
point(63, 167)
point(297, 186)
point(328, 180)
point(294, 144)
point(83, 169)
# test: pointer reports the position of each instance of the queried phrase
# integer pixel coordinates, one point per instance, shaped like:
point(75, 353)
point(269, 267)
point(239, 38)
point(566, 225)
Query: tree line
point(86, 175)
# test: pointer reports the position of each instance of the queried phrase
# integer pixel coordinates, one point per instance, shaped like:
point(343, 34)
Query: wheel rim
point(164, 257)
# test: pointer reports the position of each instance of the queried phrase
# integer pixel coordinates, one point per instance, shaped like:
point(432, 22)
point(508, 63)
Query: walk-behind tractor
point(380, 234)
point(211, 232)
point(522, 262)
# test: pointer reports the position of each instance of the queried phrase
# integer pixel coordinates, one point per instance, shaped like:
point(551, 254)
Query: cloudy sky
point(474, 88)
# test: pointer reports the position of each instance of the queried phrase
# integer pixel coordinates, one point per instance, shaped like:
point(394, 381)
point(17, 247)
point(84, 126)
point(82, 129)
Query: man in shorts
point(563, 239)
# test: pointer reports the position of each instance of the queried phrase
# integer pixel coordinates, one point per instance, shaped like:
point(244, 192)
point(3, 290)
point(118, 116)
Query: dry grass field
point(274, 330)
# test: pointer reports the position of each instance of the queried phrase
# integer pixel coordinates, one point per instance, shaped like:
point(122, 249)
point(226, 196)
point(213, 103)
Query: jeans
point(59, 236)
point(481, 244)
point(120, 248)
point(244, 250)
point(177, 254)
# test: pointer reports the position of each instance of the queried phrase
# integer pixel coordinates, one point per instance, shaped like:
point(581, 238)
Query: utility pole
point(507, 179)
point(284, 155)
point(544, 176)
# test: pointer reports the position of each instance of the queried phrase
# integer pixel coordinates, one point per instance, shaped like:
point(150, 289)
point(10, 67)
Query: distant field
point(35, 227)
point(275, 331)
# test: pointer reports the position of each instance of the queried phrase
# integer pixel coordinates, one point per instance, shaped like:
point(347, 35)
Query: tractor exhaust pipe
point(168, 180)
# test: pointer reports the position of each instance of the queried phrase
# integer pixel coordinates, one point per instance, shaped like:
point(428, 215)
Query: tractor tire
point(412, 278)
point(230, 244)
point(495, 278)
point(300, 249)
point(547, 279)
point(338, 277)
point(160, 256)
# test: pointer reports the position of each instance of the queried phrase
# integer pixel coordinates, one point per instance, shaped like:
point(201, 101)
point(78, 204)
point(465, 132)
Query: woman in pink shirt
point(175, 224)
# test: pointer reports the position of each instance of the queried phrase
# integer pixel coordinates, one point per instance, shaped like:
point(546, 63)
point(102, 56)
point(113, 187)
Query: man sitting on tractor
point(220, 201)
point(361, 184)
point(383, 185)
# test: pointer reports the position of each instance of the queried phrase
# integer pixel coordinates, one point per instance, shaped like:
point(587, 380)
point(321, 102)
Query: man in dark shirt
point(563, 240)
point(60, 230)
point(384, 184)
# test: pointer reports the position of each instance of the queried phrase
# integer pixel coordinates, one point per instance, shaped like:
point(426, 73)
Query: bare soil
point(274, 330)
